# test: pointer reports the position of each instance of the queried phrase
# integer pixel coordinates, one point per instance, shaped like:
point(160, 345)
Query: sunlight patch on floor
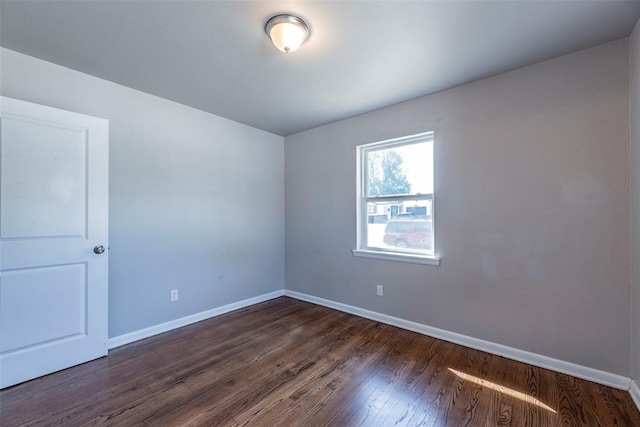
point(502, 389)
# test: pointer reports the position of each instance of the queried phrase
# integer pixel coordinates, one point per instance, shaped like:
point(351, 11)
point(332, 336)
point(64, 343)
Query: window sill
point(393, 256)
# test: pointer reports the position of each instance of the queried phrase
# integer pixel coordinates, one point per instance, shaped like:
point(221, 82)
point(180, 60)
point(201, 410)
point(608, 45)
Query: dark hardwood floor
point(287, 362)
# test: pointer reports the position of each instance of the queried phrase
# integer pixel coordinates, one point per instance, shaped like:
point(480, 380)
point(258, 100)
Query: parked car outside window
point(409, 233)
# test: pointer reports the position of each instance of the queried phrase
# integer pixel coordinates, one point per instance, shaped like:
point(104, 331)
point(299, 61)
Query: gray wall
point(634, 128)
point(196, 201)
point(532, 210)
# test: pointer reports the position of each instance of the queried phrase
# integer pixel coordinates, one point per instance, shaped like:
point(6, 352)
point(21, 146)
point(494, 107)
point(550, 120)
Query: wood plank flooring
point(290, 363)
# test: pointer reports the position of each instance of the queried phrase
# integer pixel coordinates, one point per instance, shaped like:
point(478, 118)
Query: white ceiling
point(361, 55)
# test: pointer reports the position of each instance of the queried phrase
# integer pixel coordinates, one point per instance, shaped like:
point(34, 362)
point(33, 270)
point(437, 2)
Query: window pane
point(404, 226)
point(405, 169)
point(395, 195)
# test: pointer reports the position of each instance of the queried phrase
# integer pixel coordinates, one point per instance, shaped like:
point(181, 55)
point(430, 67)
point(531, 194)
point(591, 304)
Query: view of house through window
point(395, 211)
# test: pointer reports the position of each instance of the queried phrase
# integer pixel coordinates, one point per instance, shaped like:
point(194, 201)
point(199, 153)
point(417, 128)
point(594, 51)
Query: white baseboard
point(590, 374)
point(187, 320)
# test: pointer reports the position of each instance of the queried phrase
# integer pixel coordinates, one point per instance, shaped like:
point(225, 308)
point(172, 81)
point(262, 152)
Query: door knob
point(98, 249)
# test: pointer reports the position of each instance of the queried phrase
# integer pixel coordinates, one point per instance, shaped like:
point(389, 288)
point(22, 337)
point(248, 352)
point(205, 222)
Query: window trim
point(361, 249)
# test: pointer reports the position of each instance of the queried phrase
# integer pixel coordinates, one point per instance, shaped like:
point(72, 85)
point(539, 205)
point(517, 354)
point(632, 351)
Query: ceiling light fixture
point(287, 32)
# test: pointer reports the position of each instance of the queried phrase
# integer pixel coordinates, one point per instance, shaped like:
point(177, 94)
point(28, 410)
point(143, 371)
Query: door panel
point(34, 296)
point(43, 165)
point(53, 212)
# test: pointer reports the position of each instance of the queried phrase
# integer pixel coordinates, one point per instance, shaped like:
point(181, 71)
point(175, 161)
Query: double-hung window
point(395, 200)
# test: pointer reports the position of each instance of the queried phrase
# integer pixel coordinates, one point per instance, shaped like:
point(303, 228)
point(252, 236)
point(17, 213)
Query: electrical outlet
point(379, 291)
point(174, 295)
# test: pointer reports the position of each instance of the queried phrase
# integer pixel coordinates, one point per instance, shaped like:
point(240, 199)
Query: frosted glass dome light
point(287, 32)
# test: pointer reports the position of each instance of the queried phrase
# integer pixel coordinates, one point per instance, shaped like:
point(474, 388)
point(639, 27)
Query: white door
point(53, 213)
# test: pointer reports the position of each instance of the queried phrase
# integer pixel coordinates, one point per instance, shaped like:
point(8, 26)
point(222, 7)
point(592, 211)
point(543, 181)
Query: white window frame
point(362, 250)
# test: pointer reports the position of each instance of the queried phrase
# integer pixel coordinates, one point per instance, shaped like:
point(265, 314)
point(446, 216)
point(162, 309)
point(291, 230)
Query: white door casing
point(53, 213)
